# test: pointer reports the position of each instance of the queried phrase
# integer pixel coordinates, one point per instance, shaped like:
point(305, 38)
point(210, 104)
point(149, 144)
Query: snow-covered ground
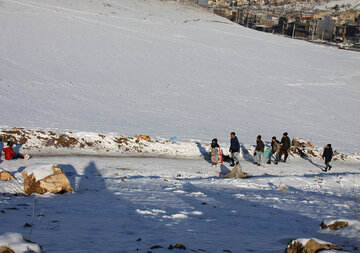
point(125, 204)
point(166, 69)
point(340, 3)
point(82, 76)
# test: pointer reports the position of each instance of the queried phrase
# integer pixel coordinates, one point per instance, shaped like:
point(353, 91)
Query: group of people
point(278, 149)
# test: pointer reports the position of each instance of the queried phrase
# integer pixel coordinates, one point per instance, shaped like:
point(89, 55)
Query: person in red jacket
point(10, 154)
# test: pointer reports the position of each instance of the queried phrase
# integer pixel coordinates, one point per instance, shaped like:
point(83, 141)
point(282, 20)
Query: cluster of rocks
point(305, 148)
point(314, 245)
point(54, 181)
point(44, 140)
point(41, 179)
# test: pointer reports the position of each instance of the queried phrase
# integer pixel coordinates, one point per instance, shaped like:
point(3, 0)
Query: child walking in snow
point(10, 154)
point(216, 156)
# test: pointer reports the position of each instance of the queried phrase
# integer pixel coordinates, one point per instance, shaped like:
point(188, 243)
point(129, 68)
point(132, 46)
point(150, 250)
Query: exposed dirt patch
point(122, 140)
point(66, 141)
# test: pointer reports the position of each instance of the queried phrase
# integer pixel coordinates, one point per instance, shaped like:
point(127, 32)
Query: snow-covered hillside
point(167, 69)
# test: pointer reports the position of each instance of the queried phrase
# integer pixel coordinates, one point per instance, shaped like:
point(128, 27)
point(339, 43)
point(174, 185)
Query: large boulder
point(237, 172)
point(310, 246)
point(14, 242)
point(42, 178)
point(300, 142)
point(5, 175)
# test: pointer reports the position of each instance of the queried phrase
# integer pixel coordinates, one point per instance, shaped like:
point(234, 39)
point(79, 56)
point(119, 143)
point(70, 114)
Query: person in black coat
point(327, 156)
point(285, 146)
point(234, 148)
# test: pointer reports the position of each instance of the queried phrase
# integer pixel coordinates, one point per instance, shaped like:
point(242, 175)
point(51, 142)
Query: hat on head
point(286, 134)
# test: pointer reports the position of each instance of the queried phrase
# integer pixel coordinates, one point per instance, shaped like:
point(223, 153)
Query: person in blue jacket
point(234, 148)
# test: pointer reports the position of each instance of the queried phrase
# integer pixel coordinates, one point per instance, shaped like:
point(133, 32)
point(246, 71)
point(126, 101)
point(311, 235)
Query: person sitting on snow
point(10, 154)
point(216, 156)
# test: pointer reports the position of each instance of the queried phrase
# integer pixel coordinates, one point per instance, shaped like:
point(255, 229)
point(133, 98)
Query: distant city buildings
point(297, 19)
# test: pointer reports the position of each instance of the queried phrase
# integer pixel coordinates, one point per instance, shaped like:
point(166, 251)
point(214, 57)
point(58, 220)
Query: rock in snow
point(310, 246)
point(335, 225)
point(300, 142)
point(14, 242)
point(42, 178)
point(5, 175)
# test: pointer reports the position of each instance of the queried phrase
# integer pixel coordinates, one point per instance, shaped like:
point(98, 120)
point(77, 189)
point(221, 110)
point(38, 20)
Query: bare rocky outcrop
point(300, 142)
point(237, 172)
point(311, 246)
point(143, 137)
point(5, 176)
point(57, 182)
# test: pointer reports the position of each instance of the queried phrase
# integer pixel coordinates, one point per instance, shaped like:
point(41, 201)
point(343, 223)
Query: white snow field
point(102, 70)
point(168, 69)
point(133, 204)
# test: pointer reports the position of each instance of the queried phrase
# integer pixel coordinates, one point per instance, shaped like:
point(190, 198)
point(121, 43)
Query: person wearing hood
point(216, 156)
point(10, 154)
point(327, 156)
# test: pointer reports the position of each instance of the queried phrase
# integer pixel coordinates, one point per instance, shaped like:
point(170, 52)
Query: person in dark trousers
point(275, 149)
point(234, 148)
point(286, 144)
point(327, 156)
point(259, 151)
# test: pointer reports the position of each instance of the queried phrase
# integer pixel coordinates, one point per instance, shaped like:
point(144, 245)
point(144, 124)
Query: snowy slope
point(332, 4)
point(133, 204)
point(168, 69)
